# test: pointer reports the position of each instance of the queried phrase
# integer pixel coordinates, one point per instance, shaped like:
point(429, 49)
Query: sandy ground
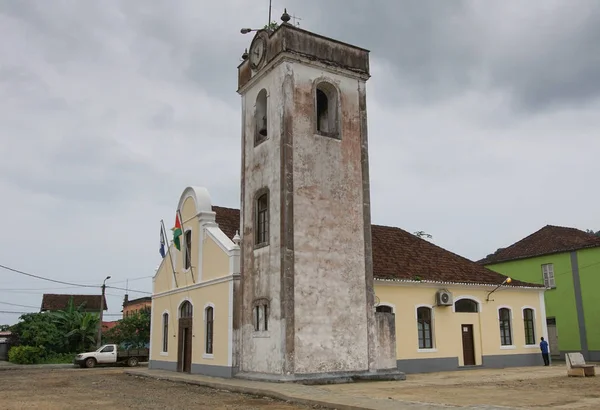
point(525, 388)
point(109, 388)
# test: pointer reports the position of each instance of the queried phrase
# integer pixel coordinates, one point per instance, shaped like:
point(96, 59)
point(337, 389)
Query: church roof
point(548, 240)
point(401, 256)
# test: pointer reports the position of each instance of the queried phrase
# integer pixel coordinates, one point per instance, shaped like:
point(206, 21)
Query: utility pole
point(99, 339)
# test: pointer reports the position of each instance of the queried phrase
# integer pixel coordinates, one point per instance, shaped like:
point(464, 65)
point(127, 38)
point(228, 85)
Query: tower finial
point(285, 17)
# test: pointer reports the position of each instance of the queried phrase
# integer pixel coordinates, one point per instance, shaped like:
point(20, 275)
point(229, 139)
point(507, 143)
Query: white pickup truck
point(111, 354)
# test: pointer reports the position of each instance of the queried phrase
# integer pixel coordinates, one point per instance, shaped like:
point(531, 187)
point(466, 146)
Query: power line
point(16, 304)
point(129, 290)
point(68, 283)
point(47, 279)
point(38, 289)
point(15, 312)
point(131, 280)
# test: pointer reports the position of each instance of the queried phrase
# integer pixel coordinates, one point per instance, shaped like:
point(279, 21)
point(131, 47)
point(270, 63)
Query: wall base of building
point(444, 364)
point(326, 378)
point(203, 369)
point(593, 355)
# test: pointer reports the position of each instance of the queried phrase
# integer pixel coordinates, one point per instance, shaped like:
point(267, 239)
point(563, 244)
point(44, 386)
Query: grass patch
point(58, 358)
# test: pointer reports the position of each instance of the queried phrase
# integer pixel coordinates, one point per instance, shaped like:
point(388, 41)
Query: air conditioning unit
point(443, 298)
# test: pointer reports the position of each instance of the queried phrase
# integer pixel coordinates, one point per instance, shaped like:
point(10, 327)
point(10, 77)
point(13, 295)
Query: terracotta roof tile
point(60, 302)
point(228, 220)
point(400, 255)
point(548, 240)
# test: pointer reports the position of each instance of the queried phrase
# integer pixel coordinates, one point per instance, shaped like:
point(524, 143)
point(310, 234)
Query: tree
point(133, 331)
point(78, 327)
point(4, 328)
point(39, 329)
point(592, 232)
point(83, 331)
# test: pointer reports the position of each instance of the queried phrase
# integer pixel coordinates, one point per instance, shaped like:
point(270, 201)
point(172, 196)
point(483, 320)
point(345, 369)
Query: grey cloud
point(544, 54)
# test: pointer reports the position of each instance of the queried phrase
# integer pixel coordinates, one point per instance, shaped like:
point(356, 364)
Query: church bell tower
point(306, 306)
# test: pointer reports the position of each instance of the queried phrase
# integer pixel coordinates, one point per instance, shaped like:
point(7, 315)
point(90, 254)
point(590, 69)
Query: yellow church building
point(298, 284)
point(193, 304)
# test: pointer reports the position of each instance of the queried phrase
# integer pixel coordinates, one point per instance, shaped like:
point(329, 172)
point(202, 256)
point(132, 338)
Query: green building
point(567, 261)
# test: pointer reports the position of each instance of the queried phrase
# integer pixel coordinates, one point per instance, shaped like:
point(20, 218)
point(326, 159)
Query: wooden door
point(553, 337)
point(187, 350)
point(468, 345)
point(184, 351)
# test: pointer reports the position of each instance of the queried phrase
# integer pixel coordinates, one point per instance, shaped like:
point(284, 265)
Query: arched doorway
point(184, 355)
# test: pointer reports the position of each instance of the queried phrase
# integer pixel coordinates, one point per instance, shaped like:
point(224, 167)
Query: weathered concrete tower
point(307, 278)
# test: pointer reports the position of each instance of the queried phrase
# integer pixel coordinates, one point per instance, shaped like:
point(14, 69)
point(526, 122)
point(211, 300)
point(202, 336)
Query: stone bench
point(576, 366)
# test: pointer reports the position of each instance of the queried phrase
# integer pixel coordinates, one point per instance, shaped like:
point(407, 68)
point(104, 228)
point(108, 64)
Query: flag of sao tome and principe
point(177, 232)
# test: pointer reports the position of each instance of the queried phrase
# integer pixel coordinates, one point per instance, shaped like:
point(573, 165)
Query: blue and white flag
point(162, 243)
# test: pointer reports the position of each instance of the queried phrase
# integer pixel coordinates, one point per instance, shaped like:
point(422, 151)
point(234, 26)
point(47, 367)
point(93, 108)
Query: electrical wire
point(16, 304)
point(47, 279)
point(128, 290)
point(69, 283)
point(15, 312)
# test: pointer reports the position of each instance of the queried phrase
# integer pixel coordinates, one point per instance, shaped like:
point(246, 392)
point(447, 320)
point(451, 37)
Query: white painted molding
point(200, 196)
point(511, 347)
point(543, 318)
point(433, 332)
point(208, 356)
point(207, 305)
point(535, 322)
point(453, 285)
point(196, 286)
point(181, 301)
point(230, 327)
point(427, 350)
point(461, 297)
point(510, 309)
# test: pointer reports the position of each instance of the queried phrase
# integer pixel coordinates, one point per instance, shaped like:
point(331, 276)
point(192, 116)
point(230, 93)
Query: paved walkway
point(296, 393)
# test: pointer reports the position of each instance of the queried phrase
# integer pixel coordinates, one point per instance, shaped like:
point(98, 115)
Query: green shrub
point(58, 358)
point(26, 354)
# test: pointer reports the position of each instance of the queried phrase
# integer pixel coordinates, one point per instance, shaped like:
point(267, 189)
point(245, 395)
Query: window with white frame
point(505, 327)
point(528, 322)
point(548, 274)
point(165, 341)
point(424, 328)
point(209, 329)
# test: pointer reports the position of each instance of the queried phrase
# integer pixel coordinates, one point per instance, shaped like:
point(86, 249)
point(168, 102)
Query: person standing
point(544, 349)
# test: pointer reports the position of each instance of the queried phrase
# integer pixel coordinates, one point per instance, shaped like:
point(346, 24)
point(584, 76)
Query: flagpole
point(185, 244)
point(162, 224)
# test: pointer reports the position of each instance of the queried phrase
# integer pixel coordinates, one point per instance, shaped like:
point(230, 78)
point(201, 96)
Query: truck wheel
point(91, 362)
point(132, 362)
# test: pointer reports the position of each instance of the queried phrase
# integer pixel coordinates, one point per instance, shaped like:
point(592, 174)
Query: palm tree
point(76, 325)
point(84, 330)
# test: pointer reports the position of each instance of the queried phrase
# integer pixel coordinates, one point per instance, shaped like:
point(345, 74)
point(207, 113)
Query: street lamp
point(506, 281)
point(99, 339)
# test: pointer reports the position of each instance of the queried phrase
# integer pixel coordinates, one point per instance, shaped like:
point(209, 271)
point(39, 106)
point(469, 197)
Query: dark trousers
point(546, 359)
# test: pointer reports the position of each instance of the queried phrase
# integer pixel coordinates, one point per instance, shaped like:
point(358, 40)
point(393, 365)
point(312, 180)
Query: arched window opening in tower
point(261, 117)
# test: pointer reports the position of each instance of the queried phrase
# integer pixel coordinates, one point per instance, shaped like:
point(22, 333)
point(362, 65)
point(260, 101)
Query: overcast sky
point(483, 124)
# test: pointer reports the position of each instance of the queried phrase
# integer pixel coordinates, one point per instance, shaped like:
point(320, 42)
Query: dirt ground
point(524, 388)
point(109, 388)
